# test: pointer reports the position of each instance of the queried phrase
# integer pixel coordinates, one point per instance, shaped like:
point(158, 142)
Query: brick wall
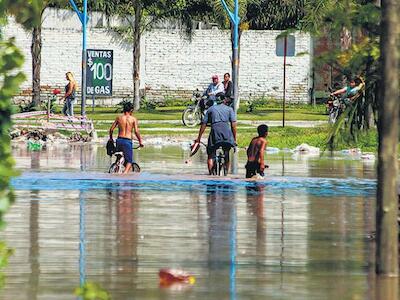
point(172, 66)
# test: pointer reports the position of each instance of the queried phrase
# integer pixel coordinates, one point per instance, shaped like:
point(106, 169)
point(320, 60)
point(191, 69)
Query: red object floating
point(169, 276)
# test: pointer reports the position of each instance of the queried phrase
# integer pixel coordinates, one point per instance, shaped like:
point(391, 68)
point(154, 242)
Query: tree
point(255, 14)
point(387, 251)
point(11, 59)
point(147, 13)
point(353, 27)
point(36, 51)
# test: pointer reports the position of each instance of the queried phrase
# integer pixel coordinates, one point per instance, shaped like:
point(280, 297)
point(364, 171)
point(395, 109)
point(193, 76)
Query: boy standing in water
point(255, 153)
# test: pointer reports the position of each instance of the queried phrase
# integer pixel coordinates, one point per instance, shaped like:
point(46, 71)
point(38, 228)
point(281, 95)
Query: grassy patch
point(269, 112)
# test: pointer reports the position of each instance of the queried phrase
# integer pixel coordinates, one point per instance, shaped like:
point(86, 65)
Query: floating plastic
point(305, 148)
point(272, 150)
point(351, 151)
point(170, 276)
point(368, 156)
point(34, 146)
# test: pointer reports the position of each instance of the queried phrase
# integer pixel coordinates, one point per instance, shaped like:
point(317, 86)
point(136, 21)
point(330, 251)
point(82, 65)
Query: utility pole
point(235, 21)
point(83, 17)
point(387, 251)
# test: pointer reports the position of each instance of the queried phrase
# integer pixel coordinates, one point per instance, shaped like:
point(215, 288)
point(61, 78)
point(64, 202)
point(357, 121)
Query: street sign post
point(99, 72)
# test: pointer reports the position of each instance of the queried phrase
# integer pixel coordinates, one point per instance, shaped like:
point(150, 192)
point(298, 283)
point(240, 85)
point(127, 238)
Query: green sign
point(99, 72)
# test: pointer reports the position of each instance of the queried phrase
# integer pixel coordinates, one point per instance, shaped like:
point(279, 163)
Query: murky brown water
point(300, 234)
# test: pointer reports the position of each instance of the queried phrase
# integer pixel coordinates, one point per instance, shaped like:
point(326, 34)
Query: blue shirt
point(219, 113)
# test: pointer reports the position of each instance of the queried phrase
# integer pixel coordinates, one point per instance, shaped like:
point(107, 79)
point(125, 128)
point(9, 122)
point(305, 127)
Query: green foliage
point(291, 137)
point(5, 253)
point(26, 13)
point(251, 105)
point(27, 107)
point(120, 106)
point(92, 291)
point(147, 105)
point(359, 20)
point(10, 59)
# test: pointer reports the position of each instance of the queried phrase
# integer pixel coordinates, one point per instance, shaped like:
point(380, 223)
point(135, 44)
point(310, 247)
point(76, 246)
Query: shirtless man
point(255, 153)
point(126, 124)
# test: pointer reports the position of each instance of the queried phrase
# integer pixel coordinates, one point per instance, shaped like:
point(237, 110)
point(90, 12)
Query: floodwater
point(302, 233)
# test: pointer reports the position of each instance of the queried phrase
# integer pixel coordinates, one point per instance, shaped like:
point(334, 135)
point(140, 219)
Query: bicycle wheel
point(135, 167)
point(333, 115)
point(225, 169)
point(219, 166)
point(190, 117)
point(114, 168)
point(214, 168)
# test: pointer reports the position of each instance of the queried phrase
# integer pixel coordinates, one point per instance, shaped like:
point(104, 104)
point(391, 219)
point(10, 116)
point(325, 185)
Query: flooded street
point(304, 232)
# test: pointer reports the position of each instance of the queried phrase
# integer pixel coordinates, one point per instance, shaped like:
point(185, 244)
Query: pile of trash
point(77, 137)
point(36, 137)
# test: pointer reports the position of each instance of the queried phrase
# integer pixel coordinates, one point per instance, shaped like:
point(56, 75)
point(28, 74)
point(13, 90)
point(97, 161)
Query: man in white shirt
point(215, 89)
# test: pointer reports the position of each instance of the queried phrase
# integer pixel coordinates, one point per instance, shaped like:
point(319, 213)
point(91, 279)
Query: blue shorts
point(125, 145)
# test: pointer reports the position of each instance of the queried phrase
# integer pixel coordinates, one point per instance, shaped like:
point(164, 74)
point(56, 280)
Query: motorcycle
point(335, 108)
point(194, 113)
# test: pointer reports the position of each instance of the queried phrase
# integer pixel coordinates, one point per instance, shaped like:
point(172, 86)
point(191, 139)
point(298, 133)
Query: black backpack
point(110, 147)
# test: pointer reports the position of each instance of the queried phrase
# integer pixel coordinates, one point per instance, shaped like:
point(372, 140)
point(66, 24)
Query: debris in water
point(170, 276)
point(305, 148)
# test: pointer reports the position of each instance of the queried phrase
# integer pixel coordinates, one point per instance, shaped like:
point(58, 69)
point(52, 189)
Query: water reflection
point(34, 252)
point(255, 202)
point(289, 237)
point(221, 208)
point(82, 238)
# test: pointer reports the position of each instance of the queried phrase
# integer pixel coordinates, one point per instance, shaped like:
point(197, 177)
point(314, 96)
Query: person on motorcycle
point(215, 89)
point(223, 131)
point(348, 92)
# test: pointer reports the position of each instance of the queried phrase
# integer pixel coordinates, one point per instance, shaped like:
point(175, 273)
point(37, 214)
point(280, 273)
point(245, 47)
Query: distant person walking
point(69, 97)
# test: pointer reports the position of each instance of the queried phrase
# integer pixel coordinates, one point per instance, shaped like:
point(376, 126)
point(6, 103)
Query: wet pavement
point(304, 232)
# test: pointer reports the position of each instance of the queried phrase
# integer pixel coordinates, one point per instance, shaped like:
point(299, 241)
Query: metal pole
point(235, 21)
point(84, 63)
point(82, 239)
point(284, 80)
point(236, 56)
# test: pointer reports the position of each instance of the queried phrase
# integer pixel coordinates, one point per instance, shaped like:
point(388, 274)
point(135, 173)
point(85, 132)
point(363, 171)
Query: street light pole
point(235, 21)
point(83, 17)
point(84, 64)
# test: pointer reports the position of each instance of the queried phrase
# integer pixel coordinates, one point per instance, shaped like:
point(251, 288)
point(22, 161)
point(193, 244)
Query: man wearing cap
point(215, 89)
point(223, 131)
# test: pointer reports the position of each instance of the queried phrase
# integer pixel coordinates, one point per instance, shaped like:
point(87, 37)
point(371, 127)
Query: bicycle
point(118, 166)
point(219, 164)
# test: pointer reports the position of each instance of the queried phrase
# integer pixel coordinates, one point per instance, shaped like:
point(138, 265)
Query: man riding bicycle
point(126, 124)
point(223, 131)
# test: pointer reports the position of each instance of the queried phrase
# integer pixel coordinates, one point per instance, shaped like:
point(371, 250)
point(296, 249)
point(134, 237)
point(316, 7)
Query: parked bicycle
point(118, 166)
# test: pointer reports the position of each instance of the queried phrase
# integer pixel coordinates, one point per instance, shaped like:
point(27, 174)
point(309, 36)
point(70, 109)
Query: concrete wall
point(172, 66)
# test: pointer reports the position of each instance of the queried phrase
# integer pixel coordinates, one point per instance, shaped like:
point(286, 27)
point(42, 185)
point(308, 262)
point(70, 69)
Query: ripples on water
point(299, 234)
